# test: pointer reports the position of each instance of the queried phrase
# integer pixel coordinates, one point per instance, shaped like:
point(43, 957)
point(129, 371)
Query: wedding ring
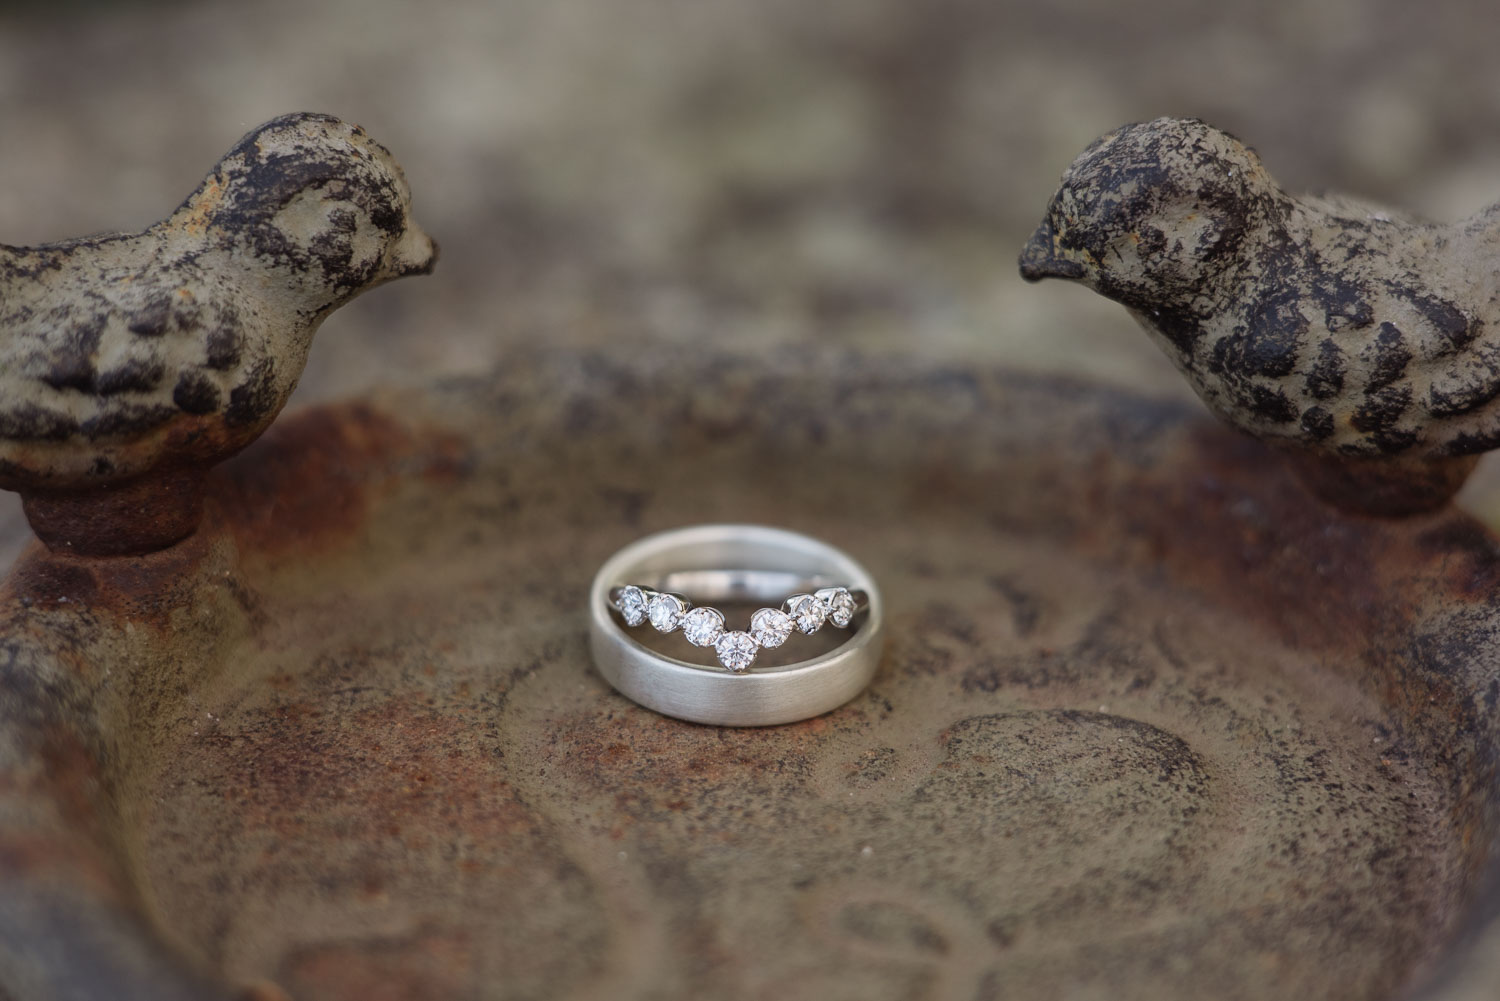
point(804, 585)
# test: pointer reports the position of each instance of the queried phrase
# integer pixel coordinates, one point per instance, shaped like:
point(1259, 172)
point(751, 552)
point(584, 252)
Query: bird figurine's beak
point(415, 254)
point(1043, 259)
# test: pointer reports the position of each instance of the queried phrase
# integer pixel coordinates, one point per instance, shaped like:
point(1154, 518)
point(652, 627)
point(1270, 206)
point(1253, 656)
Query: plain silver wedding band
point(759, 697)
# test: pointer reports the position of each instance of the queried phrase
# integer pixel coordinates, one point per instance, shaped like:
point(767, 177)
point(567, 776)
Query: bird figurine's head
point(1152, 210)
point(317, 198)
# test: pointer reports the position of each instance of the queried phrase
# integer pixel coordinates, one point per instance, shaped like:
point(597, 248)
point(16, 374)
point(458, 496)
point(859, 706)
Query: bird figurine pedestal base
point(1383, 488)
point(122, 519)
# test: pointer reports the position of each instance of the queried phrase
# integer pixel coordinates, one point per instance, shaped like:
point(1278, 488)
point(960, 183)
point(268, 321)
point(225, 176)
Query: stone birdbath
point(317, 721)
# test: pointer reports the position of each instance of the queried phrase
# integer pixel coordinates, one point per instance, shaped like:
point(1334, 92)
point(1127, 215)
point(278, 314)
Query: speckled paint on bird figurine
point(1323, 323)
point(137, 357)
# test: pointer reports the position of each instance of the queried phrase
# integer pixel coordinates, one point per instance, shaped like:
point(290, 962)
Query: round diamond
point(809, 613)
point(702, 626)
point(770, 627)
point(631, 602)
point(840, 605)
point(665, 611)
point(736, 651)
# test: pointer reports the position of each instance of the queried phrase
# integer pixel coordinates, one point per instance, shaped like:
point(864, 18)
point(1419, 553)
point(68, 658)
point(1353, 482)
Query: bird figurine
point(130, 363)
point(1363, 341)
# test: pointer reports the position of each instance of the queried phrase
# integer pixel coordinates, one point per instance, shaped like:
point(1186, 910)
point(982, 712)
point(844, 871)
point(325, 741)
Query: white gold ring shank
point(763, 561)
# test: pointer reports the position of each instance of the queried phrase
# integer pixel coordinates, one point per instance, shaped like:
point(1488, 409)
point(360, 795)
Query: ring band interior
point(749, 550)
point(737, 585)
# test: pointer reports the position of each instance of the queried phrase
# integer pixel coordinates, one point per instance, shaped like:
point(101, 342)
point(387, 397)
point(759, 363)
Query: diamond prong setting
point(703, 626)
point(770, 627)
point(631, 602)
point(808, 612)
point(736, 651)
point(665, 611)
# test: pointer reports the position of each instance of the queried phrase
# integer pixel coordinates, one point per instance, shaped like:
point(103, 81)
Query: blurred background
point(752, 172)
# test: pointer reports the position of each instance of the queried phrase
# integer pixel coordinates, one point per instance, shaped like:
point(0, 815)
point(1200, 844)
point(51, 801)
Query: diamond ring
point(769, 627)
point(679, 580)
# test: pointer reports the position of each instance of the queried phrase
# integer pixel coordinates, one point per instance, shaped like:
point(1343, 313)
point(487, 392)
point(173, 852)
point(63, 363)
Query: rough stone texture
point(1323, 324)
point(128, 359)
point(1152, 722)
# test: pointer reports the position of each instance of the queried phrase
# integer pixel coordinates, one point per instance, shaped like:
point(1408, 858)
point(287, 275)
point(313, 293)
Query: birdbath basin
point(1153, 721)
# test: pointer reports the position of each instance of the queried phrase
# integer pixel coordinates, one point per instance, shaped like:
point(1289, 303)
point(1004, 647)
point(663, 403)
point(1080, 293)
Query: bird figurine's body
point(129, 357)
point(1337, 329)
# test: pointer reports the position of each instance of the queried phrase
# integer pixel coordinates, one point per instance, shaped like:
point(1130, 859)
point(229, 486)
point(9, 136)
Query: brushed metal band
point(757, 697)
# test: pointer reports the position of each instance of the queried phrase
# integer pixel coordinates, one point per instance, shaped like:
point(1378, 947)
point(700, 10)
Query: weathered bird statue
point(131, 363)
point(1365, 342)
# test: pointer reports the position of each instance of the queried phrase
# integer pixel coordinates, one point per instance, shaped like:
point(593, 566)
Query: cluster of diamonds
point(703, 626)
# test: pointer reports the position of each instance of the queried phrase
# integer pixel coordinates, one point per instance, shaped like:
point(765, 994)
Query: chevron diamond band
point(769, 627)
